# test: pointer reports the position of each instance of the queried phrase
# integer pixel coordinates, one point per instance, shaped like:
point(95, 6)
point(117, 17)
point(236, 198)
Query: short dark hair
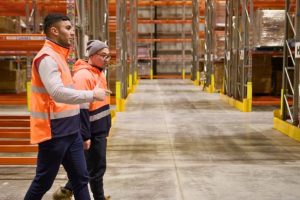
point(52, 18)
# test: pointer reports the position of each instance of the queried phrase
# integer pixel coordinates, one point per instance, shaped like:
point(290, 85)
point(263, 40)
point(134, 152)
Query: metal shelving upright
point(209, 43)
point(228, 85)
point(195, 76)
point(291, 63)
point(286, 119)
point(121, 47)
point(132, 79)
point(183, 44)
point(238, 47)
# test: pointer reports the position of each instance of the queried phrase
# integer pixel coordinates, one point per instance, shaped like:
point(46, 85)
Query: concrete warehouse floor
point(175, 142)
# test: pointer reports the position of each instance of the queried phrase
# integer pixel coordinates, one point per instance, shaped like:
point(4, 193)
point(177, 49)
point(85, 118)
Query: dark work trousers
point(96, 164)
point(68, 151)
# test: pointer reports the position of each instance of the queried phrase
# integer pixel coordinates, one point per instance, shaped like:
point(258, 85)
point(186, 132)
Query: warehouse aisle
point(175, 142)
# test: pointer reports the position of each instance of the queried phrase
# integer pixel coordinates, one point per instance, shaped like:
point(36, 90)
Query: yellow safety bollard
point(120, 103)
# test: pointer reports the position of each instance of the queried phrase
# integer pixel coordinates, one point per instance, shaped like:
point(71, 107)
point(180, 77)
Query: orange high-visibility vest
point(102, 84)
point(50, 119)
point(87, 77)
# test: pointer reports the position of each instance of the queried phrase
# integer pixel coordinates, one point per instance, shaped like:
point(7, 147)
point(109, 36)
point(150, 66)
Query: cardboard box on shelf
point(262, 65)
point(12, 81)
point(7, 25)
point(269, 28)
point(219, 75)
point(12, 64)
point(7, 64)
point(262, 85)
point(144, 69)
point(262, 74)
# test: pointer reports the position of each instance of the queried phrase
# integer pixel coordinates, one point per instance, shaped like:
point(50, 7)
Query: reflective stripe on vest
point(64, 114)
point(100, 104)
point(39, 115)
point(99, 115)
point(53, 115)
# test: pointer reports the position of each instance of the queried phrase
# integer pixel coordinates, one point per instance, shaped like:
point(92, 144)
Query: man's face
point(65, 32)
point(101, 58)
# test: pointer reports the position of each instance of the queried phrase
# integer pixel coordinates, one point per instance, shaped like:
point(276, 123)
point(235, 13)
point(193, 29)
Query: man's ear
point(54, 31)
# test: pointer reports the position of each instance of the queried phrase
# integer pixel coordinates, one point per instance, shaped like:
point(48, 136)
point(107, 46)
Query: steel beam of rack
point(195, 39)
point(122, 47)
point(236, 50)
point(228, 82)
point(290, 85)
point(238, 47)
point(95, 19)
point(183, 44)
point(152, 45)
point(71, 14)
point(104, 16)
point(133, 42)
point(243, 51)
point(209, 31)
point(247, 46)
point(80, 6)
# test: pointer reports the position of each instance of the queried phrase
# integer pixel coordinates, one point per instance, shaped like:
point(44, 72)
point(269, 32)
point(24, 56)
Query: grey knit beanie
point(93, 46)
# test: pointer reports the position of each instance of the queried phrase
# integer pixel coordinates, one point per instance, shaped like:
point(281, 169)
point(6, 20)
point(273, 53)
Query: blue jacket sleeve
point(85, 124)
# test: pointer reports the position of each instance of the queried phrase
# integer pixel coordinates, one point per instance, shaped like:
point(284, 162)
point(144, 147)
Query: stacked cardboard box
point(201, 46)
point(7, 25)
point(219, 75)
point(269, 28)
point(220, 16)
point(219, 45)
point(12, 79)
point(262, 74)
point(144, 69)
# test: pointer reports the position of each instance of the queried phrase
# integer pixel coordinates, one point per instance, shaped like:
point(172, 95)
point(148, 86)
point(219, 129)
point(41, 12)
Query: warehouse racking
point(160, 36)
point(24, 44)
point(286, 119)
point(248, 63)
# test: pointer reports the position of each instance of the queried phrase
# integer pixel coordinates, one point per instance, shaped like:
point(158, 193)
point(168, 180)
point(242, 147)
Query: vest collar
point(57, 48)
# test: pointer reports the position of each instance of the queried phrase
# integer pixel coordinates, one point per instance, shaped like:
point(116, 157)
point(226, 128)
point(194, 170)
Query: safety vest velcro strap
point(37, 89)
point(39, 115)
point(85, 106)
point(64, 114)
point(100, 115)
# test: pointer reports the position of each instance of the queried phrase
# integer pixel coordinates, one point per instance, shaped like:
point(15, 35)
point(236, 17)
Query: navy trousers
point(68, 151)
point(96, 164)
